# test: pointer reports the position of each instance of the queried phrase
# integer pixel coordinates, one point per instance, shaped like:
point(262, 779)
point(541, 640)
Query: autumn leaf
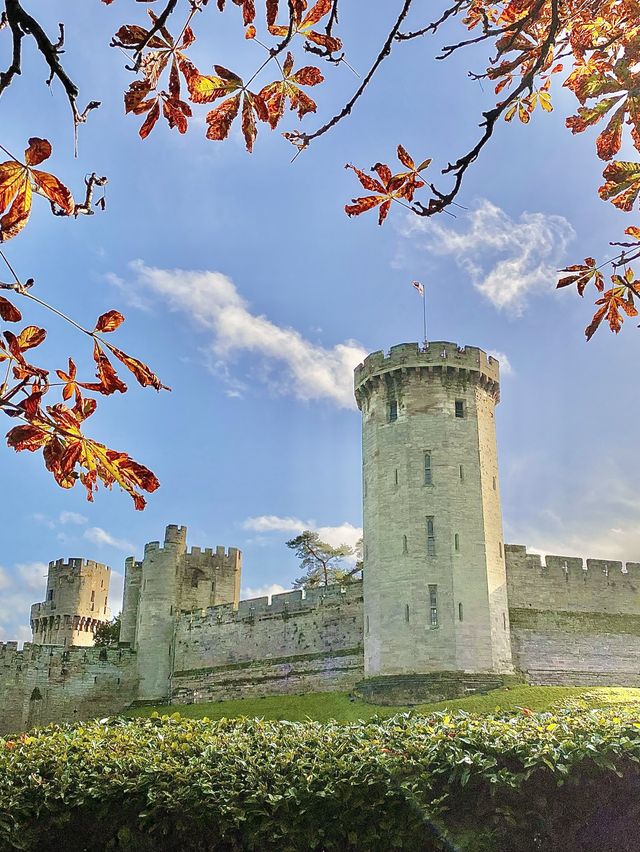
point(8, 312)
point(618, 299)
point(109, 321)
point(221, 118)
point(16, 183)
point(70, 386)
point(205, 89)
point(276, 94)
point(622, 184)
point(108, 380)
point(142, 96)
point(30, 337)
point(144, 376)
point(303, 25)
point(581, 275)
point(389, 187)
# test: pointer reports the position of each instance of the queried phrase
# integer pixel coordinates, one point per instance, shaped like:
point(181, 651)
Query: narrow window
point(406, 613)
point(367, 625)
point(428, 479)
point(500, 548)
point(494, 483)
point(433, 605)
point(431, 538)
point(396, 476)
point(456, 541)
point(93, 596)
point(504, 620)
point(405, 546)
point(393, 410)
point(50, 595)
point(461, 474)
point(459, 408)
point(460, 613)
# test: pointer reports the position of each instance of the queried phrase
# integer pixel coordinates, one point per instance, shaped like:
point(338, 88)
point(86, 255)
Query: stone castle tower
point(75, 605)
point(169, 581)
point(435, 596)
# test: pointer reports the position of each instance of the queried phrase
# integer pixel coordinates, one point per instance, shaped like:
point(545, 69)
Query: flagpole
point(424, 318)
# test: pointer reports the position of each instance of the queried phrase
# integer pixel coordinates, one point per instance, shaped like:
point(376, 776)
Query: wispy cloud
point(602, 522)
point(212, 301)
point(506, 259)
point(72, 518)
point(345, 533)
point(21, 586)
point(506, 368)
point(96, 535)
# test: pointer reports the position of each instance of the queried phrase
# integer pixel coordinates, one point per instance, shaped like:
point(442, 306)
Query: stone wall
point(574, 622)
point(300, 642)
point(42, 684)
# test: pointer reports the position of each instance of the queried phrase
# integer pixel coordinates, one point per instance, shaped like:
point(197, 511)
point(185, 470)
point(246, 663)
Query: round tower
point(157, 611)
point(435, 600)
point(76, 603)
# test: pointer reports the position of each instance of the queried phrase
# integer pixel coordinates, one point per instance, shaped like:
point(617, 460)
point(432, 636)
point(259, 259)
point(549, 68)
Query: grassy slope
point(336, 705)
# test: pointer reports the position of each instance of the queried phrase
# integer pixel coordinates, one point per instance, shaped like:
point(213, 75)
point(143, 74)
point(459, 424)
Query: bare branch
point(22, 23)
point(302, 140)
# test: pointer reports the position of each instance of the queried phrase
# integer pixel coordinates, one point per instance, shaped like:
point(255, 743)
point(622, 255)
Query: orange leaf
point(18, 214)
point(30, 337)
point(8, 312)
point(221, 118)
point(144, 376)
point(55, 190)
point(109, 321)
point(27, 437)
point(150, 121)
point(38, 151)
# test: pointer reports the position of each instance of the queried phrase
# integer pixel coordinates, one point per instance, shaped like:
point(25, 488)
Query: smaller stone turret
point(170, 580)
point(75, 604)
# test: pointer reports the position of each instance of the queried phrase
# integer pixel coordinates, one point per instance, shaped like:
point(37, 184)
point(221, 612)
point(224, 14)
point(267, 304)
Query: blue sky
point(252, 295)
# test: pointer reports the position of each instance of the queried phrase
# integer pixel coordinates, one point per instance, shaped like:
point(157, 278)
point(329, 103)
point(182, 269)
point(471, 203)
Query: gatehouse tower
point(435, 596)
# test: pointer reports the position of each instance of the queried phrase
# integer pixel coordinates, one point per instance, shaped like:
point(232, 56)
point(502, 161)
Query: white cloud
point(96, 535)
point(505, 364)
point(344, 533)
point(507, 260)
point(262, 591)
point(212, 302)
point(72, 518)
point(601, 522)
point(34, 575)
point(274, 523)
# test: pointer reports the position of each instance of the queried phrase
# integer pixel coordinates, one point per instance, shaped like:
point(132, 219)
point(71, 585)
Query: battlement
point(280, 605)
point(436, 356)
point(220, 552)
point(567, 583)
point(58, 655)
point(76, 566)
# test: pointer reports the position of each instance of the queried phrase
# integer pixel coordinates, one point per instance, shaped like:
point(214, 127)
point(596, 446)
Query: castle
point(444, 608)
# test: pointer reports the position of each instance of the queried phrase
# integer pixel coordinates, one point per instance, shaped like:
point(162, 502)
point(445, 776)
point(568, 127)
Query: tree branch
point(302, 140)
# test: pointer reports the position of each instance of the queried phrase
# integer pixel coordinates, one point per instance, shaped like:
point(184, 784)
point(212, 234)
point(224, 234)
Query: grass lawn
point(323, 706)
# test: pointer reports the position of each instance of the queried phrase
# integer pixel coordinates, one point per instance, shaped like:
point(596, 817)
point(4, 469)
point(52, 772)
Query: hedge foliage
point(564, 781)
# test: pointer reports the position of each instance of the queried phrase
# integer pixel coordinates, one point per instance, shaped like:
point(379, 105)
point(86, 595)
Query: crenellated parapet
point(281, 605)
point(437, 359)
point(569, 583)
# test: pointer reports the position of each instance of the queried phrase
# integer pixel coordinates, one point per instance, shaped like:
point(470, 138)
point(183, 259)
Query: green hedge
point(565, 781)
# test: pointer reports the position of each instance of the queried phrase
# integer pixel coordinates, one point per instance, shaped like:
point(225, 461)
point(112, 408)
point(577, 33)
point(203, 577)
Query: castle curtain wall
point(298, 643)
point(574, 622)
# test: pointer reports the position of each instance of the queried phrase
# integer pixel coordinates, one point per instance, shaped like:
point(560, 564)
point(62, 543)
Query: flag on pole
point(419, 287)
